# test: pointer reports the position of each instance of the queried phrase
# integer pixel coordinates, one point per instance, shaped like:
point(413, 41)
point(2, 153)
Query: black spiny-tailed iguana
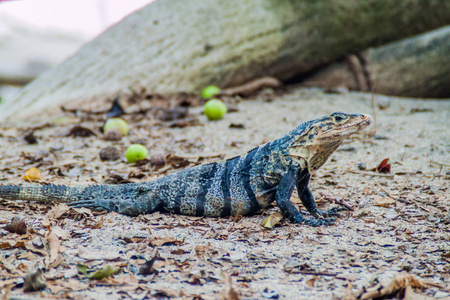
point(238, 186)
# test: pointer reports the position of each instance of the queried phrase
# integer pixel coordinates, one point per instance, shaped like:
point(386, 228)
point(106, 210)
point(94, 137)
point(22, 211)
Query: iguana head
point(314, 141)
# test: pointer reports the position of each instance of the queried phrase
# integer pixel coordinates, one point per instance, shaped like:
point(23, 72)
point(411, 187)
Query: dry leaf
point(272, 220)
point(79, 131)
point(57, 211)
point(384, 242)
point(32, 174)
point(230, 293)
point(12, 244)
point(61, 233)
point(147, 267)
point(99, 224)
point(384, 202)
point(54, 244)
point(165, 241)
point(384, 166)
point(310, 282)
point(397, 285)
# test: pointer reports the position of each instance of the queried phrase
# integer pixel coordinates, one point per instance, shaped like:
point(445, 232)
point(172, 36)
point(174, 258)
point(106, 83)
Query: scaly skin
point(242, 185)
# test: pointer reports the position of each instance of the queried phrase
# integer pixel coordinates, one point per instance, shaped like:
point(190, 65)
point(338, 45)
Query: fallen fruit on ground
point(116, 123)
point(215, 109)
point(135, 153)
point(210, 91)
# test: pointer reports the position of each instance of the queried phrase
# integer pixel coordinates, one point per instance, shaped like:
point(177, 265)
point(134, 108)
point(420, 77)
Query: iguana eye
point(338, 118)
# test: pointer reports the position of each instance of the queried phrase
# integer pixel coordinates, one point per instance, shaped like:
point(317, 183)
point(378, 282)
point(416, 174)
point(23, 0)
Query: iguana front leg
point(282, 199)
point(307, 198)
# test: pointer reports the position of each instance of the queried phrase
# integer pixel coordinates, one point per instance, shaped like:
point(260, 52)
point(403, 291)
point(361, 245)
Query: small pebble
point(110, 153)
point(38, 242)
point(406, 266)
point(113, 134)
point(157, 162)
point(362, 166)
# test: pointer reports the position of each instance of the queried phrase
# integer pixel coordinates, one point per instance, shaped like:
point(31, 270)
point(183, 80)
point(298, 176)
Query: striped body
point(236, 186)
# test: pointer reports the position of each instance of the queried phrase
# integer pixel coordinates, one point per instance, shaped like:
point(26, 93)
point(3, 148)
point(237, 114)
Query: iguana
point(241, 185)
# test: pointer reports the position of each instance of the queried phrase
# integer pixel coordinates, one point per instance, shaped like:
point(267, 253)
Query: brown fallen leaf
point(61, 233)
point(57, 211)
point(30, 138)
point(383, 167)
point(272, 220)
point(54, 244)
point(147, 267)
point(310, 282)
point(164, 241)
point(12, 245)
point(177, 161)
point(17, 225)
point(397, 286)
point(26, 255)
point(384, 201)
point(165, 293)
point(33, 174)
point(337, 200)
point(171, 114)
point(99, 224)
point(79, 131)
point(157, 162)
point(229, 293)
point(184, 123)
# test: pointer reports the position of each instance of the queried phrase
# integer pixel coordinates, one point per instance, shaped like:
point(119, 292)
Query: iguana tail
point(48, 193)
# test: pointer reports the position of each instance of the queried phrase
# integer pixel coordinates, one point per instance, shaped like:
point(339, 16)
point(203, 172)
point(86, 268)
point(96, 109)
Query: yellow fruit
point(136, 153)
point(215, 109)
point(210, 91)
point(116, 123)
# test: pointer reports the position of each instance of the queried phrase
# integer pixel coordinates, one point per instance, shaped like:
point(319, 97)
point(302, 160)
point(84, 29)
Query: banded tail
point(129, 199)
point(42, 193)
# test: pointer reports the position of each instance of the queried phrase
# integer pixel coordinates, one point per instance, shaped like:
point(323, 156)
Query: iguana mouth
point(366, 121)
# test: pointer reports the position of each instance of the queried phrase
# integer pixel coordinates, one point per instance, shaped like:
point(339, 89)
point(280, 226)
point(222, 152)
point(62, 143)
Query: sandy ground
point(400, 224)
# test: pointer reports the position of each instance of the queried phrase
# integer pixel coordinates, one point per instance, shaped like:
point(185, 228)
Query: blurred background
point(36, 35)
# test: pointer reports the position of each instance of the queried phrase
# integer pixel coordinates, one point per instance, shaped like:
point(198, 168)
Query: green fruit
point(136, 153)
point(210, 91)
point(116, 123)
point(215, 109)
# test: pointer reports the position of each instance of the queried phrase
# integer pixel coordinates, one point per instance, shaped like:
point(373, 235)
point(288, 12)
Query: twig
point(370, 173)
point(386, 192)
point(337, 200)
point(374, 112)
point(439, 164)
point(313, 273)
point(252, 86)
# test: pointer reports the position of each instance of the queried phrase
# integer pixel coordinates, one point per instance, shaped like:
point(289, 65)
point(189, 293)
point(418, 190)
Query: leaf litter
point(396, 226)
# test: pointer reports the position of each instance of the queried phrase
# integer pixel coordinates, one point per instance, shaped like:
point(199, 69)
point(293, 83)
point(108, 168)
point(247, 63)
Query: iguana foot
point(334, 212)
point(320, 222)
